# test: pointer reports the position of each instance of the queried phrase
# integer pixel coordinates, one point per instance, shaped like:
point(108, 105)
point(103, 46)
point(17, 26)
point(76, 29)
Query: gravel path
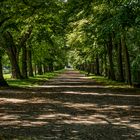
point(69, 107)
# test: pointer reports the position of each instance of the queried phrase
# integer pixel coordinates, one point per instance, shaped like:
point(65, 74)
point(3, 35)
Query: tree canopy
point(101, 37)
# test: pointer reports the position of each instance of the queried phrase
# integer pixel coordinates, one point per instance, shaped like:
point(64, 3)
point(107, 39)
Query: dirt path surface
point(70, 107)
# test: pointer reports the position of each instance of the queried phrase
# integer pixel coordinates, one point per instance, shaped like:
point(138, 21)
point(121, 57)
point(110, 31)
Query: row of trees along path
point(70, 107)
point(101, 35)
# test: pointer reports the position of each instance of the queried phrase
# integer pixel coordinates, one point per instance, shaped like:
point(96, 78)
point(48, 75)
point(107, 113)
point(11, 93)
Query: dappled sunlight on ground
point(11, 100)
point(103, 94)
point(69, 86)
point(77, 110)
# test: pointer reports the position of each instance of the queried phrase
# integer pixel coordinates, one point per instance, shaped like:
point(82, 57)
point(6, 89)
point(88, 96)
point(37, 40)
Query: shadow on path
point(70, 107)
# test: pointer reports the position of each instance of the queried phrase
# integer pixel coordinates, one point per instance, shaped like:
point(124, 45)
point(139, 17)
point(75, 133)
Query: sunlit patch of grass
point(109, 83)
point(32, 81)
point(83, 72)
point(7, 76)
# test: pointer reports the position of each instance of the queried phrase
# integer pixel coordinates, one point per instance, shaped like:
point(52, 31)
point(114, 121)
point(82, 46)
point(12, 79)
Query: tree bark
point(120, 65)
point(15, 67)
point(39, 67)
point(51, 68)
point(23, 41)
point(45, 68)
point(97, 65)
point(105, 65)
point(88, 68)
point(12, 54)
point(3, 83)
point(101, 65)
point(110, 56)
point(127, 61)
point(83, 67)
point(92, 68)
point(29, 60)
point(35, 69)
point(24, 62)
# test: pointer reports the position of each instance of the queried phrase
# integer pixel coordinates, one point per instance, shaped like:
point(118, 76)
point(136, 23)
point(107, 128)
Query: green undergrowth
point(83, 72)
point(109, 83)
point(31, 81)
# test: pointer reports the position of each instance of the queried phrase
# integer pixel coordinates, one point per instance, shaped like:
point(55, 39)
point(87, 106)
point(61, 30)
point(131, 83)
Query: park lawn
point(31, 81)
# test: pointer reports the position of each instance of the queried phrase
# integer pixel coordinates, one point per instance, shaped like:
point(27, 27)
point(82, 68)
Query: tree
point(108, 24)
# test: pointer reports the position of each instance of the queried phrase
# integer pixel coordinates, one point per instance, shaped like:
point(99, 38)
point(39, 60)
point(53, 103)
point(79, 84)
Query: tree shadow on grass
point(70, 109)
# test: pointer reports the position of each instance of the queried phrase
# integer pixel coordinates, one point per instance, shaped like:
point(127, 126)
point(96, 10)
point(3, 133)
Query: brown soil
point(70, 107)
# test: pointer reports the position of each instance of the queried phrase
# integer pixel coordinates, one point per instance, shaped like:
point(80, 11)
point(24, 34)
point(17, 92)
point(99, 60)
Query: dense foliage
point(101, 37)
point(104, 36)
point(31, 35)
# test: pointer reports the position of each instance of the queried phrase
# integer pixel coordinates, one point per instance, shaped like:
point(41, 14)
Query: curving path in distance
point(70, 107)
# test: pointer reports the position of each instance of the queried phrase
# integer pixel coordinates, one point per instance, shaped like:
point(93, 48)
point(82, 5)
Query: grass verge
point(109, 83)
point(31, 81)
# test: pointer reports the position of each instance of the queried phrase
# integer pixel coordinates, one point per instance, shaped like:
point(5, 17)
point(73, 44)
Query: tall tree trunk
point(110, 56)
point(127, 61)
point(3, 83)
point(24, 62)
point(105, 65)
point(51, 68)
point(39, 67)
point(15, 67)
point(29, 58)
point(101, 66)
point(92, 68)
point(35, 69)
point(120, 65)
point(12, 54)
point(88, 68)
point(22, 45)
point(97, 65)
point(83, 67)
point(45, 68)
